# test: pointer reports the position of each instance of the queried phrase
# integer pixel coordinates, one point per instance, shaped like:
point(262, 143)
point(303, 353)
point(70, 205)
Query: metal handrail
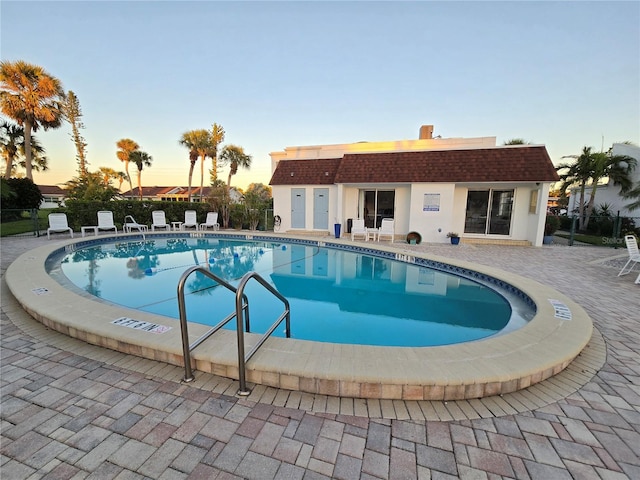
point(242, 359)
point(186, 347)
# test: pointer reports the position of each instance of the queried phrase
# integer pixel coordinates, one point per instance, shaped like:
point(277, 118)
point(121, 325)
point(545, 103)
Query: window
point(489, 212)
point(374, 205)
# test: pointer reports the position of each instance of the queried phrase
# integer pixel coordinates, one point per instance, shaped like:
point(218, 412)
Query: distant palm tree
point(33, 98)
point(13, 147)
point(517, 141)
point(141, 159)
point(39, 162)
point(109, 174)
point(11, 137)
point(126, 147)
point(199, 144)
point(235, 157)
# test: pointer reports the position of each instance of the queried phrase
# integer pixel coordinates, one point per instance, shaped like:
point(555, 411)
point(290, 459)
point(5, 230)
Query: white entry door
point(297, 207)
point(320, 208)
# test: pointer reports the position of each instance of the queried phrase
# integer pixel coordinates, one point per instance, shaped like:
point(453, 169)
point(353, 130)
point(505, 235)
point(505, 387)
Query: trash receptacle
point(349, 224)
point(336, 228)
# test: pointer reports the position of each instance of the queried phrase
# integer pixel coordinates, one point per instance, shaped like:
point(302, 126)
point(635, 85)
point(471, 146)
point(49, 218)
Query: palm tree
point(517, 141)
point(39, 162)
point(577, 173)
point(141, 159)
point(199, 144)
point(217, 137)
point(235, 157)
point(126, 147)
point(13, 147)
point(33, 98)
point(11, 137)
point(589, 169)
point(109, 174)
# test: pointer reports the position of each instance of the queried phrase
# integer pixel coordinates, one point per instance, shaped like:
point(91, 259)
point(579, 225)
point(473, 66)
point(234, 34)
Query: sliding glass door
point(374, 205)
point(489, 212)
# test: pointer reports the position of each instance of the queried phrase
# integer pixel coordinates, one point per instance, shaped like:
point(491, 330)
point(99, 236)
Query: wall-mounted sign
point(431, 202)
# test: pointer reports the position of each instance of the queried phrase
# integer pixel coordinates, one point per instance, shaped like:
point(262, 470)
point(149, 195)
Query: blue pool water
point(335, 295)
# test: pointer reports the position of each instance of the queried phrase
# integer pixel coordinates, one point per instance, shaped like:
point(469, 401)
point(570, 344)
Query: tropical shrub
point(551, 225)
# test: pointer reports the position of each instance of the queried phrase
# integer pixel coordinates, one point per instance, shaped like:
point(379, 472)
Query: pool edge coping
point(494, 366)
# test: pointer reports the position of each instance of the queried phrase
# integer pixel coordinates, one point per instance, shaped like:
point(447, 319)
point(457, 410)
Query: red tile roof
point(499, 164)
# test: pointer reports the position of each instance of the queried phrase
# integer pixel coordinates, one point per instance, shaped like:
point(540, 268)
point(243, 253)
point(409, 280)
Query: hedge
point(81, 212)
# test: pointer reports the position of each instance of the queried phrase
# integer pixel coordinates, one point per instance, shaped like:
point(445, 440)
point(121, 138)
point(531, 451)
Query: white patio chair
point(158, 220)
point(105, 221)
point(131, 224)
point(358, 229)
point(634, 254)
point(190, 220)
point(58, 223)
point(210, 221)
point(387, 229)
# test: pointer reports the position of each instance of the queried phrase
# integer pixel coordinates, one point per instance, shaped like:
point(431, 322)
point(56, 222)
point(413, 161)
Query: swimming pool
point(337, 296)
point(500, 364)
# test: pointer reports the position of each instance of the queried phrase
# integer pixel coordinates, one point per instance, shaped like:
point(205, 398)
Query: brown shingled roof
point(499, 164)
point(306, 172)
point(51, 190)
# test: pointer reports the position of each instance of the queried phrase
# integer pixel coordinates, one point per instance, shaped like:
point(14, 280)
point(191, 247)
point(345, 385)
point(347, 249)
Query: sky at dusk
point(278, 74)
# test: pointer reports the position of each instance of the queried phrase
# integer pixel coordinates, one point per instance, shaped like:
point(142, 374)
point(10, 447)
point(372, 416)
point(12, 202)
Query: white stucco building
point(431, 186)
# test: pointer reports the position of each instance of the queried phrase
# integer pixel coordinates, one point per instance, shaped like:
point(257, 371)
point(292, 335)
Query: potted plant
point(550, 227)
point(455, 238)
point(414, 238)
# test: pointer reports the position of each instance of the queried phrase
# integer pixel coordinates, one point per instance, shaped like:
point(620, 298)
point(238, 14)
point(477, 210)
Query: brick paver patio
point(74, 411)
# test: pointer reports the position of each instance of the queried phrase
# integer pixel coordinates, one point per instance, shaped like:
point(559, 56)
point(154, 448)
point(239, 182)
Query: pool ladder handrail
point(243, 323)
point(187, 348)
point(286, 315)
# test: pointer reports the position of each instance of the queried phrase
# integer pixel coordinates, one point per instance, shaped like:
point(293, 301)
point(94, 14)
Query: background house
point(177, 194)
point(53, 196)
point(430, 185)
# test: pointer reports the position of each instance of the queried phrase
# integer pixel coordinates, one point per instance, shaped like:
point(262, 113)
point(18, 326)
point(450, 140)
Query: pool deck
point(73, 410)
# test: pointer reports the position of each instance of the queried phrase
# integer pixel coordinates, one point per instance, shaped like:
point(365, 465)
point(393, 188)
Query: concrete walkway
point(71, 410)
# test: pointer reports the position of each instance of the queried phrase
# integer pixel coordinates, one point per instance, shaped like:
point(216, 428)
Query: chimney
point(426, 132)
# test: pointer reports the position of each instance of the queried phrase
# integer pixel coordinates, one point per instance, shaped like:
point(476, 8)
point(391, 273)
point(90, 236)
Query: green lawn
point(24, 225)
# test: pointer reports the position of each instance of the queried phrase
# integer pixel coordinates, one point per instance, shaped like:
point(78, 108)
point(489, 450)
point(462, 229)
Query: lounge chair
point(358, 229)
point(634, 255)
point(387, 229)
point(58, 223)
point(158, 220)
point(131, 224)
point(190, 220)
point(105, 221)
point(210, 221)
